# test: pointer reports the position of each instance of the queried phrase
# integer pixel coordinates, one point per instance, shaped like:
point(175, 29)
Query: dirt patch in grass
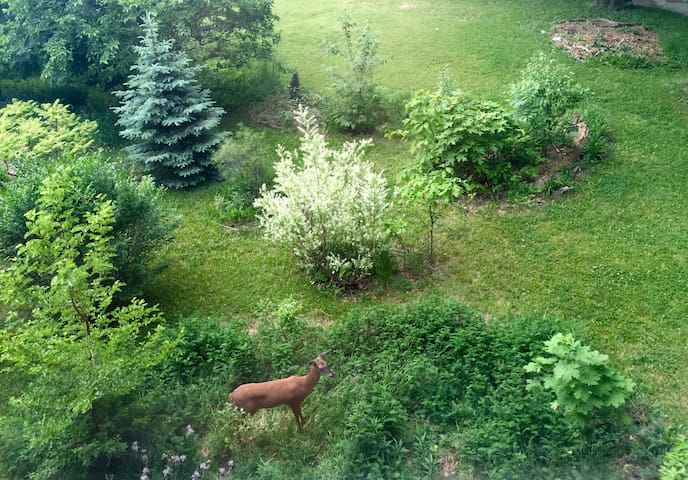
point(586, 38)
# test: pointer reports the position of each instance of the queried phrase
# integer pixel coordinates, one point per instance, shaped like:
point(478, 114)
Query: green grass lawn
point(611, 258)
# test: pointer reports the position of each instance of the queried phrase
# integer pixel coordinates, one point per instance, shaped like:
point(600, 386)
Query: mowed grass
point(610, 258)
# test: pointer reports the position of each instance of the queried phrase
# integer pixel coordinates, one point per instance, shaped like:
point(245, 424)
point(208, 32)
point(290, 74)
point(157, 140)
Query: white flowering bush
point(328, 205)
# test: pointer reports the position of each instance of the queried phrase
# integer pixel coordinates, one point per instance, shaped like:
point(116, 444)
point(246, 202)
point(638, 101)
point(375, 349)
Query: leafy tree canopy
point(94, 40)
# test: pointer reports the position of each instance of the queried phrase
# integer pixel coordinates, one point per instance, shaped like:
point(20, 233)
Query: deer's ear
point(323, 354)
point(311, 363)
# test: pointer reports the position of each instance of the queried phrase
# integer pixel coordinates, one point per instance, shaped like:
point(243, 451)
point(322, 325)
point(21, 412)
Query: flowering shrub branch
point(328, 205)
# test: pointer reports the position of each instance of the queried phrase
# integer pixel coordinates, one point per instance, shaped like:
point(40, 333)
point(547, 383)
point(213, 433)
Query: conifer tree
point(168, 114)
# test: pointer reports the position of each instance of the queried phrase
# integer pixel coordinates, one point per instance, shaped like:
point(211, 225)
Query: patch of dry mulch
point(585, 38)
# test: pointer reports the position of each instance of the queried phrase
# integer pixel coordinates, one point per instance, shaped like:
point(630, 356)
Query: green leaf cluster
point(32, 132)
point(581, 378)
point(168, 115)
point(468, 138)
point(675, 464)
point(541, 99)
point(143, 221)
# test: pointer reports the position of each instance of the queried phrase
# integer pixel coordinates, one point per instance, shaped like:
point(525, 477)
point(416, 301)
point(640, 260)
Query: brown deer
point(290, 391)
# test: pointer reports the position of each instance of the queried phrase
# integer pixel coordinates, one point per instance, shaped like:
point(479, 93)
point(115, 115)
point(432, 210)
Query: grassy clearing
point(610, 258)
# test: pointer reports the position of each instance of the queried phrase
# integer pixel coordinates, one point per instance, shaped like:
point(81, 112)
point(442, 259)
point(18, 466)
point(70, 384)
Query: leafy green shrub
point(75, 352)
point(32, 132)
point(143, 220)
point(245, 161)
point(355, 104)
point(470, 139)
point(445, 365)
point(541, 99)
point(328, 206)
point(675, 465)
point(581, 378)
point(374, 445)
point(206, 347)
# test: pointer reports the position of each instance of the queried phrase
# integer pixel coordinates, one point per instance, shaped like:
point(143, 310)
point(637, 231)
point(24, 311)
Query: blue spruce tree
point(167, 113)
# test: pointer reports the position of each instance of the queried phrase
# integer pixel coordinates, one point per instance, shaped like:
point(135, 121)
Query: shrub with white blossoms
point(328, 205)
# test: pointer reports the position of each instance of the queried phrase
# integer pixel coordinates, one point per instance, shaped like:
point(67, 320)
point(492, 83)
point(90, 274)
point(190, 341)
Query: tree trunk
point(611, 4)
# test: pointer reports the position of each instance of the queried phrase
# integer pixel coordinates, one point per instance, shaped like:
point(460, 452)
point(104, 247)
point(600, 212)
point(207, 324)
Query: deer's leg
point(296, 408)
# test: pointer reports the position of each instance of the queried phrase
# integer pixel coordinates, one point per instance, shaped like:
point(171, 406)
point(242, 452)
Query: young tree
point(70, 355)
point(430, 190)
point(168, 114)
point(356, 101)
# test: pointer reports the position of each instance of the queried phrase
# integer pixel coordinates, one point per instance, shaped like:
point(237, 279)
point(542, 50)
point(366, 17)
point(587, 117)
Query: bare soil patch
point(585, 38)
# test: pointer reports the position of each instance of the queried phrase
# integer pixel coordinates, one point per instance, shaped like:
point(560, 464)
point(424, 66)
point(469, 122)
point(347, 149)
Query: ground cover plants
point(574, 300)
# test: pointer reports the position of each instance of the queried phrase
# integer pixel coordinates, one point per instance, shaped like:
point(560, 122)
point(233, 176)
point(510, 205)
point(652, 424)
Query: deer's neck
point(312, 377)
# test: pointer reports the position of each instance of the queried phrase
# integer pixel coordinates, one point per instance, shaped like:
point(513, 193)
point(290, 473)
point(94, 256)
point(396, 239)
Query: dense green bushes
point(74, 353)
point(491, 148)
point(404, 374)
point(143, 221)
point(245, 161)
point(470, 139)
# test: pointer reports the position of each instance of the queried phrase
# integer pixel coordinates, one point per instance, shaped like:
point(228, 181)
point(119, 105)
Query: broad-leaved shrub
point(72, 351)
point(541, 99)
point(328, 206)
point(143, 220)
point(582, 379)
point(468, 138)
